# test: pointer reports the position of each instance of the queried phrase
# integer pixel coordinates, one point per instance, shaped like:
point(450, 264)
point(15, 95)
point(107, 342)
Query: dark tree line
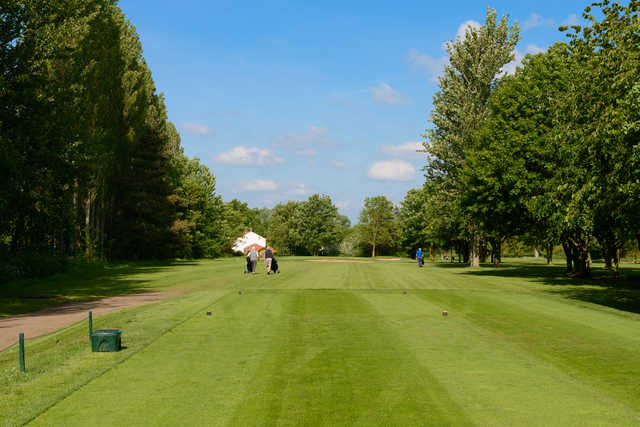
point(90, 166)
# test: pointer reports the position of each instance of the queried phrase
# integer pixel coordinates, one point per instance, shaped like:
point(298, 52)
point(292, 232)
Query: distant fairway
point(342, 344)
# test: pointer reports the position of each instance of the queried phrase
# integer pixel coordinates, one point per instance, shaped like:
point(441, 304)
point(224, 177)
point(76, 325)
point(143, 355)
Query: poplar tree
point(460, 109)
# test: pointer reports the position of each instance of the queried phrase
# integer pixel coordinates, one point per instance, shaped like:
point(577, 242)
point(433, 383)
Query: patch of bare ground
point(53, 318)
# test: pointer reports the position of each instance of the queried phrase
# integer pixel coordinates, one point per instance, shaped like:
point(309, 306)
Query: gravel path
point(50, 319)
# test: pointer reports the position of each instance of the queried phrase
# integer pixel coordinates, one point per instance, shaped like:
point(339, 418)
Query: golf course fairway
point(343, 343)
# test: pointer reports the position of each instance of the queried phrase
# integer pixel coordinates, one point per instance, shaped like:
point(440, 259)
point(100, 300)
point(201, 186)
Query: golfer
point(268, 256)
point(253, 256)
point(420, 257)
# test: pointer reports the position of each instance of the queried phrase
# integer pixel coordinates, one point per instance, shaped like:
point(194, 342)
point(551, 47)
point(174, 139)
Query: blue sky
point(285, 99)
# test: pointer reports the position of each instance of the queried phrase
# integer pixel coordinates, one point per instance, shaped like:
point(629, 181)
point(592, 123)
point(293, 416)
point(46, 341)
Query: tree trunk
point(610, 249)
point(77, 228)
point(102, 215)
point(607, 253)
point(569, 256)
point(431, 252)
point(617, 259)
point(536, 254)
point(549, 254)
point(18, 232)
point(580, 263)
point(373, 251)
point(474, 256)
point(497, 252)
point(87, 223)
point(484, 251)
point(579, 250)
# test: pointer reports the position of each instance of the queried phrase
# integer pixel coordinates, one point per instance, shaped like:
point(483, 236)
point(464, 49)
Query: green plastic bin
point(106, 340)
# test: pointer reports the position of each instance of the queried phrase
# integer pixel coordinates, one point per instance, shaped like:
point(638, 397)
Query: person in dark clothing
point(248, 264)
point(274, 266)
point(268, 257)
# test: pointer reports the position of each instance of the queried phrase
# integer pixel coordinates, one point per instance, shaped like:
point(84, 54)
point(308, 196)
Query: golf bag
point(248, 270)
point(274, 266)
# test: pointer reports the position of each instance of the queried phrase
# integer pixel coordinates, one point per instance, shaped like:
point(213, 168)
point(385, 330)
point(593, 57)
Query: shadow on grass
point(86, 283)
point(449, 265)
point(603, 288)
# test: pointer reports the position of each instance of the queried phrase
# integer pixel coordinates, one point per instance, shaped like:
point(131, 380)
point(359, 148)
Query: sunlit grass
point(346, 344)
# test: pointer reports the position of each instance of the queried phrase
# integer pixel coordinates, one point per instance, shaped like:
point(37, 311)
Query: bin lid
point(107, 332)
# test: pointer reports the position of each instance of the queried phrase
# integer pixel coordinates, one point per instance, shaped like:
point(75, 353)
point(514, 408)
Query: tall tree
point(414, 220)
point(460, 107)
point(199, 225)
point(376, 223)
point(512, 176)
point(315, 224)
point(144, 224)
point(79, 114)
point(279, 235)
point(603, 126)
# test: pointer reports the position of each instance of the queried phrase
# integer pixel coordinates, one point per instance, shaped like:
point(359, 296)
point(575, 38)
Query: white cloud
point(464, 27)
point(536, 20)
point(259, 185)
point(315, 135)
point(299, 190)
point(571, 20)
point(343, 204)
point(341, 165)
point(534, 49)
point(248, 156)
point(197, 128)
point(306, 152)
point(510, 68)
point(385, 94)
point(406, 150)
point(392, 170)
point(431, 66)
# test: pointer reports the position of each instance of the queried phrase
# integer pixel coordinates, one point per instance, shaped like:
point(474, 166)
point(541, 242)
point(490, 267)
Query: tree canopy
point(549, 154)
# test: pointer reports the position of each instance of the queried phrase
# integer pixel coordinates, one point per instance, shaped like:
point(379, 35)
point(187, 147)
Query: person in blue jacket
point(420, 257)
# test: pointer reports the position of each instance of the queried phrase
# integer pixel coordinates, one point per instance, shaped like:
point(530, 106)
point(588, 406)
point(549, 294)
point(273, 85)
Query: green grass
point(342, 344)
point(93, 281)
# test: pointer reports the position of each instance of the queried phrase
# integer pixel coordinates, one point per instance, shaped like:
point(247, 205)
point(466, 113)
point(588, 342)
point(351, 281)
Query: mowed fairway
point(354, 344)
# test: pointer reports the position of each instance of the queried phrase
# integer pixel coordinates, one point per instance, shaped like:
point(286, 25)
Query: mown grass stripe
point(341, 343)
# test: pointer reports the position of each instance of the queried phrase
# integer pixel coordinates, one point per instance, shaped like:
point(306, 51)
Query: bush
point(32, 265)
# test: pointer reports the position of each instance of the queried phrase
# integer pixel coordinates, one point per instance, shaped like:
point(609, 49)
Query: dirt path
point(50, 319)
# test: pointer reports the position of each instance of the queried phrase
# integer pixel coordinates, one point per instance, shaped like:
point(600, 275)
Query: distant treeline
point(92, 169)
